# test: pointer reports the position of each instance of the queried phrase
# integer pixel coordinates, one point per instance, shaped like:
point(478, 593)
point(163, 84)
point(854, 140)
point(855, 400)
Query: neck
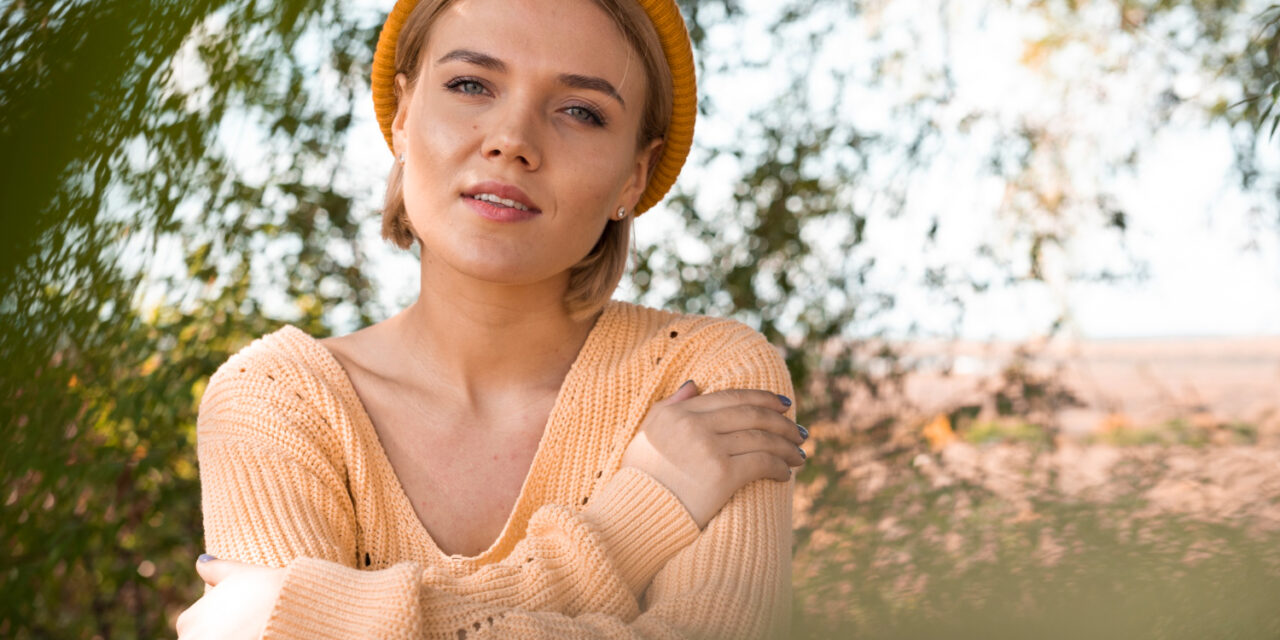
point(482, 342)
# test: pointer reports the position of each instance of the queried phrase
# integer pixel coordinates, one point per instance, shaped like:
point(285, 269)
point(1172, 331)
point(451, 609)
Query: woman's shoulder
point(274, 386)
point(691, 330)
point(686, 345)
point(287, 357)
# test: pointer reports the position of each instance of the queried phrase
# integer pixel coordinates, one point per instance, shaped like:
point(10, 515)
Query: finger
point(734, 397)
point(214, 571)
point(687, 390)
point(747, 417)
point(751, 440)
point(758, 465)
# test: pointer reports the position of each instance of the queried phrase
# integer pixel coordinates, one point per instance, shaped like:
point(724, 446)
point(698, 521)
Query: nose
point(513, 136)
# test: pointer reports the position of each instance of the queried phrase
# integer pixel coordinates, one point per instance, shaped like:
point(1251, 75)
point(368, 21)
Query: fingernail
point(686, 383)
point(786, 402)
point(803, 454)
point(204, 557)
point(804, 433)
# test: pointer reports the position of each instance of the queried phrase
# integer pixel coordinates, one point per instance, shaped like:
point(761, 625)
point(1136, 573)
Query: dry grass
point(977, 523)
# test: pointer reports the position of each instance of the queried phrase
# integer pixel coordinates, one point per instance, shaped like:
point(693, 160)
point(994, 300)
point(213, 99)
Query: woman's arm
point(274, 489)
point(733, 581)
point(269, 503)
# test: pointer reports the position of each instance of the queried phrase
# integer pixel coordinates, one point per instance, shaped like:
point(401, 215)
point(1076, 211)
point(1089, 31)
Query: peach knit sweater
point(293, 475)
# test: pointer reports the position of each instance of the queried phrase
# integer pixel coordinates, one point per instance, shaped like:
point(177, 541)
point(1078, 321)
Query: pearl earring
point(622, 213)
point(402, 159)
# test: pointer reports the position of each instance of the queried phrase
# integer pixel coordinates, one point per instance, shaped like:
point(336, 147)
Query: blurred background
point(1022, 257)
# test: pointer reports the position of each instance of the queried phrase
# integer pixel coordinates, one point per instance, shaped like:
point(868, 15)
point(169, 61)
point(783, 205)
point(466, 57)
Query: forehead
point(551, 37)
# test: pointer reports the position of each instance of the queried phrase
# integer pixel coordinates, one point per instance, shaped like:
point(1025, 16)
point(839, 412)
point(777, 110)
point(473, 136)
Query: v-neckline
point(403, 506)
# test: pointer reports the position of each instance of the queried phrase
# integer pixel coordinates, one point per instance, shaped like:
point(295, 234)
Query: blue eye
point(465, 86)
point(585, 115)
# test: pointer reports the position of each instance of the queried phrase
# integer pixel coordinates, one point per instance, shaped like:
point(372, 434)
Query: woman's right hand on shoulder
point(704, 448)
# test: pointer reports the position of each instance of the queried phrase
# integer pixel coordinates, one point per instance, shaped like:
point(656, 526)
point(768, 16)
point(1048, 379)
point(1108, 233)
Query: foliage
point(986, 431)
point(787, 249)
point(119, 123)
point(1231, 47)
point(1259, 66)
point(108, 158)
point(1180, 431)
point(1001, 542)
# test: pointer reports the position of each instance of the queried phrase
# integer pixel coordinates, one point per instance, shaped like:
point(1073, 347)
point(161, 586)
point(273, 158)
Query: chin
point(503, 272)
point(493, 263)
point(504, 258)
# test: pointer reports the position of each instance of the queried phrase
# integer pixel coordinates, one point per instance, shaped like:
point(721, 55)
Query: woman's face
point(520, 136)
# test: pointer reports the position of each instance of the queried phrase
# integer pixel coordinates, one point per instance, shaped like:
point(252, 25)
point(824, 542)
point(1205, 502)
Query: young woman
point(513, 455)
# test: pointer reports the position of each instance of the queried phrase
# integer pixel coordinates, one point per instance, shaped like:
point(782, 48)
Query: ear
point(646, 160)
point(402, 111)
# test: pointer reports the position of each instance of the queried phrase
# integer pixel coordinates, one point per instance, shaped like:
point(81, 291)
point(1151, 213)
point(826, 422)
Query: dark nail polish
point(786, 402)
point(803, 454)
point(204, 557)
point(804, 433)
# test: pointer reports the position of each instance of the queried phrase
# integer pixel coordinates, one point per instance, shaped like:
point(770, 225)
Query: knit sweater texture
point(293, 475)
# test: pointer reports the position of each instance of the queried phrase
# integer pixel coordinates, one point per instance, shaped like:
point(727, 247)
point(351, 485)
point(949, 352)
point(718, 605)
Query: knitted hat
point(675, 44)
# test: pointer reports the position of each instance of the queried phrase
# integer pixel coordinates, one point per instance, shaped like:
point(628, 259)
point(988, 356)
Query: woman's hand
point(704, 448)
point(237, 606)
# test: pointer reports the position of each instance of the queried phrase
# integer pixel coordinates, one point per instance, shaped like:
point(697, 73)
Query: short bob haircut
point(593, 279)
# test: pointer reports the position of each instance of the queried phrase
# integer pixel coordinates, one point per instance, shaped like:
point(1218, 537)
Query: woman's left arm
point(732, 581)
point(274, 493)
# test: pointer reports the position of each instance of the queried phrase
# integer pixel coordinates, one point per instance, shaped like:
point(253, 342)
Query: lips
point(502, 195)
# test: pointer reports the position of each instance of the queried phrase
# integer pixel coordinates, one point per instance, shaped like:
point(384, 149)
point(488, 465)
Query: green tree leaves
point(174, 187)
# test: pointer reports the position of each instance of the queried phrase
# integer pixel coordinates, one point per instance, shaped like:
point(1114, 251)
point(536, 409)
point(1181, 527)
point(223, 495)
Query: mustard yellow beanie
point(675, 44)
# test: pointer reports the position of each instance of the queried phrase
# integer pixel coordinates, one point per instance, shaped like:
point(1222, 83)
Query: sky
point(1212, 268)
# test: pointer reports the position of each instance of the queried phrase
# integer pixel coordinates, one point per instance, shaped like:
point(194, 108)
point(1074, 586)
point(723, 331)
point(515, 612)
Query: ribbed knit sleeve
point(734, 581)
point(574, 592)
point(272, 492)
point(574, 579)
point(632, 564)
point(270, 485)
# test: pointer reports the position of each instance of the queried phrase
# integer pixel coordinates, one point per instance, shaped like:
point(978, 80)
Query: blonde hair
point(593, 279)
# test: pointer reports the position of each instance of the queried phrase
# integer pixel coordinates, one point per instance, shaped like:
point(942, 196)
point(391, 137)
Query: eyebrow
point(592, 83)
point(575, 80)
point(474, 57)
